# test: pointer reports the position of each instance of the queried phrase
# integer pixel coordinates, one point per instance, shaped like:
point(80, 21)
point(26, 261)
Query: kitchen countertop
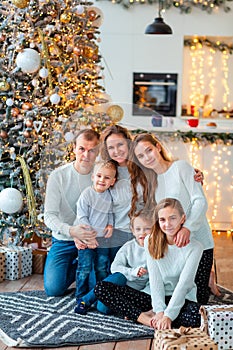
point(180, 124)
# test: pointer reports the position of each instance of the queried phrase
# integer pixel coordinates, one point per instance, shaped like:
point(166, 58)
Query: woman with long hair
point(115, 145)
point(160, 177)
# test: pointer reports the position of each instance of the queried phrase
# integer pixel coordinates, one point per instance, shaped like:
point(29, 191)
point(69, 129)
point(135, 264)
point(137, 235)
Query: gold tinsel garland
point(32, 220)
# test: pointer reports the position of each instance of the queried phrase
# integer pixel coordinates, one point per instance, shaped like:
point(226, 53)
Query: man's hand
point(182, 238)
point(85, 234)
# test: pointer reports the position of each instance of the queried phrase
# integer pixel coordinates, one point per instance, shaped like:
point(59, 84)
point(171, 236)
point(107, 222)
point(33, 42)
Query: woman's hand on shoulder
point(182, 238)
point(199, 176)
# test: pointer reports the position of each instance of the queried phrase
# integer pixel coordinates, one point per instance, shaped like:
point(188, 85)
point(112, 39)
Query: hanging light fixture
point(158, 26)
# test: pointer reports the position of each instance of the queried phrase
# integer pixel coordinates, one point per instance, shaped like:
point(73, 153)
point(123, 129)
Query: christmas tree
point(50, 73)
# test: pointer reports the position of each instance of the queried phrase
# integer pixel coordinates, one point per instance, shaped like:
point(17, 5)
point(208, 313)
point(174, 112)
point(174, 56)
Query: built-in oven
point(154, 92)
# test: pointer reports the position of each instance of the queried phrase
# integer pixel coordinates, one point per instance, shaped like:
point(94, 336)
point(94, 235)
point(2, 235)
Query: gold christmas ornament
point(21, 4)
point(78, 51)
point(89, 51)
point(4, 85)
point(92, 14)
point(65, 17)
point(115, 113)
point(54, 50)
point(15, 112)
point(96, 16)
point(26, 106)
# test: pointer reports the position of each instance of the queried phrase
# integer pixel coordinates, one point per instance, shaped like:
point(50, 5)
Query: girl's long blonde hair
point(139, 174)
point(157, 243)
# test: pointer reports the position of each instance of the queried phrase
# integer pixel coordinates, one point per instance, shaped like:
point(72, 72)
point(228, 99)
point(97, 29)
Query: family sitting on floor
point(137, 219)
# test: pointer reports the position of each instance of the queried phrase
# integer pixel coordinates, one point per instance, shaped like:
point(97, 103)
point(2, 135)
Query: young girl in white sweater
point(169, 299)
point(172, 269)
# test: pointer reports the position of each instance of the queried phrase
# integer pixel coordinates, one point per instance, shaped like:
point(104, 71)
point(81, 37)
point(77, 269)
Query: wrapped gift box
point(217, 321)
point(18, 262)
point(183, 339)
point(38, 260)
point(2, 266)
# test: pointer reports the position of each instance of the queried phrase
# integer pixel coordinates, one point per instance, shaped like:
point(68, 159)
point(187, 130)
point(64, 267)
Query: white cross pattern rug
point(31, 319)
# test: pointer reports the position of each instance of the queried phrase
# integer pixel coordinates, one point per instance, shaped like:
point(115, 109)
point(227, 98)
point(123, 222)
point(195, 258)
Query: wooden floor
point(223, 253)
point(224, 265)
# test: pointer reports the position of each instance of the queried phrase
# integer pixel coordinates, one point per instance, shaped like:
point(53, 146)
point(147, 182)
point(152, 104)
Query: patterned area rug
point(30, 319)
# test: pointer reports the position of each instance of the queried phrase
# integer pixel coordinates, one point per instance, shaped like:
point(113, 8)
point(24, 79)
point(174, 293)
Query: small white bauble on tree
point(43, 73)
point(11, 200)
point(35, 83)
point(55, 99)
point(79, 9)
point(9, 102)
point(28, 60)
point(69, 136)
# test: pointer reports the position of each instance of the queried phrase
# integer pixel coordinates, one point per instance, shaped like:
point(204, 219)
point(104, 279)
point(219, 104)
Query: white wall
point(126, 49)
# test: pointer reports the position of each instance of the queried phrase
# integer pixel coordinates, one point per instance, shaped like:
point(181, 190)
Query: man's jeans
point(60, 267)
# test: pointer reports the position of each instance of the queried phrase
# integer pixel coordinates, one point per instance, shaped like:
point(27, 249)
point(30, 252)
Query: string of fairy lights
point(184, 6)
point(203, 79)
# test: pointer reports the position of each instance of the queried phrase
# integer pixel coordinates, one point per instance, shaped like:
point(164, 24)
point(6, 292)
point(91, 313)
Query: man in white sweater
point(64, 186)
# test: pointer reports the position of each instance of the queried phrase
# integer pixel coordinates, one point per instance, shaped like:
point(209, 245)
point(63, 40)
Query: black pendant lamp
point(158, 26)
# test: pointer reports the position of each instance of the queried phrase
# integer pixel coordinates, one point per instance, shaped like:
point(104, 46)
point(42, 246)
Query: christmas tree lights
point(50, 77)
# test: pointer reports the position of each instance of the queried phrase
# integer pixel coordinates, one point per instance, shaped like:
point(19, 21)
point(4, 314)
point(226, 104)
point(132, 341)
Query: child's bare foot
point(213, 286)
point(145, 318)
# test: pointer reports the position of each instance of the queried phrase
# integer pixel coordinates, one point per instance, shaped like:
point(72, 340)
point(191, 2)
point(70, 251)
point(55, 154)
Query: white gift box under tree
point(18, 262)
point(217, 321)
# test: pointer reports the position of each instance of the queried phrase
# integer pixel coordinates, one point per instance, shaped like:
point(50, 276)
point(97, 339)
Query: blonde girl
point(172, 270)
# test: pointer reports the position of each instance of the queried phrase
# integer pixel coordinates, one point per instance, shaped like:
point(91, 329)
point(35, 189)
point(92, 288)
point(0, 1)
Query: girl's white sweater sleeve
point(174, 276)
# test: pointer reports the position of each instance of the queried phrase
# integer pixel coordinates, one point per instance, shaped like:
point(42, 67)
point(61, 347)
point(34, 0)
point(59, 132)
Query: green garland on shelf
point(200, 138)
point(219, 46)
point(184, 6)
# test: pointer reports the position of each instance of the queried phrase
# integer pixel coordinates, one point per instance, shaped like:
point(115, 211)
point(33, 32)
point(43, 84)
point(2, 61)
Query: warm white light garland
point(215, 160)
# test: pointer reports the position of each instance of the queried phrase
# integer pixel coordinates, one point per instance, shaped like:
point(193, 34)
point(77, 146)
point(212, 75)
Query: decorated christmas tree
point(50, 84)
